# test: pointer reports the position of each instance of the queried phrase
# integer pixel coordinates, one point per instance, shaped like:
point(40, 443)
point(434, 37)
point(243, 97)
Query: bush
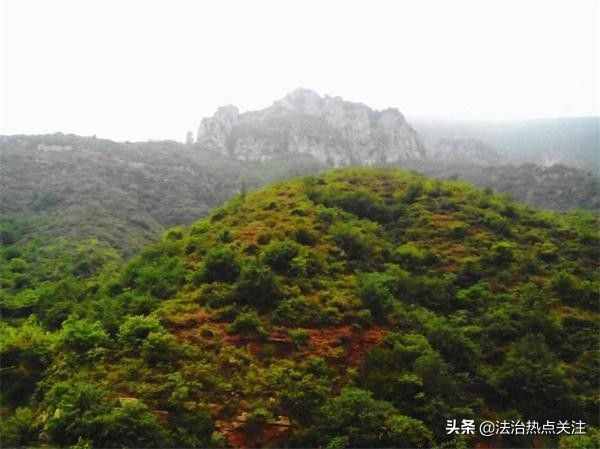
point(83, 335)
point(502, 253)
point(248, 324)
point(25, 353)
point(305, 236)
point(497, 223)
point(296, 312)
point(351, 240)
point(220, 265)
point(361, 203)
point(20, 429)
point(300, 337)
point(257, 285)
point(412, 257)
point(365, 422)
point(375, 294)
point(78, 410)
point(279, 254)
point(531, 380)
point(413, 192)
point(135, 329)
point(470, 272)
point(159, 347)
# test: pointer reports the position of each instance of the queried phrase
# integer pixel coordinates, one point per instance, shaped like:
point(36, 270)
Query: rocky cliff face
point(330, 129)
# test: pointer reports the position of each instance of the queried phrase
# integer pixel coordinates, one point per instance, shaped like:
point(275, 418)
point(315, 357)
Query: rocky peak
point(332, 130)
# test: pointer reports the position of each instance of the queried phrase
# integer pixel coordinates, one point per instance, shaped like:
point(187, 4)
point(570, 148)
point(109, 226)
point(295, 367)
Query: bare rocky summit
point(330, 129)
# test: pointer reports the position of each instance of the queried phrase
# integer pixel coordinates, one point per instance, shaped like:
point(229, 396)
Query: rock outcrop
point(334, 131)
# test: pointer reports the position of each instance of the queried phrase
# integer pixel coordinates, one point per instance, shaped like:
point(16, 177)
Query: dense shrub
point(374, 293)
point(79, 410)
point(279, 255)
point(413, 258)
point(83, 335)
point(220, 265)
point(296, 312)
point(248, 324)
point(135, 329)
point(160, 347)
point(366, 422)
point(351, 240)
point(25, 352)
point(531, 379)
point(20, 429)
point(497, 223)
point(257, 285)
point(412, 192)
point(305, 236)
point(502, 253)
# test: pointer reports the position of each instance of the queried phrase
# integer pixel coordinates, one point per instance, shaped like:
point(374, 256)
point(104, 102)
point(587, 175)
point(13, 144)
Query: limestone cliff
point(332, 130)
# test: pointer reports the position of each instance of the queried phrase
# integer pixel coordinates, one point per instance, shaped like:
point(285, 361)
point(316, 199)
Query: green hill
point(360, 308)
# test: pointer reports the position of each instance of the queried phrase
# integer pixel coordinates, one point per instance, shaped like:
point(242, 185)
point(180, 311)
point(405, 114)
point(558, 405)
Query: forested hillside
point(123, 194)
point(359, 308)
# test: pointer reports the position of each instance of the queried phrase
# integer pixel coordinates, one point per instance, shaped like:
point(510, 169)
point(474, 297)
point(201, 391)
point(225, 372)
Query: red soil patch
point(355, 342)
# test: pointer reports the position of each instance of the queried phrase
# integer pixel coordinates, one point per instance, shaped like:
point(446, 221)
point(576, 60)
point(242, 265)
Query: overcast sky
point(137, 70)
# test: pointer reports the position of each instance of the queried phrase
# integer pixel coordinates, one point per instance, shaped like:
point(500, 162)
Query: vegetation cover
point(360, 308)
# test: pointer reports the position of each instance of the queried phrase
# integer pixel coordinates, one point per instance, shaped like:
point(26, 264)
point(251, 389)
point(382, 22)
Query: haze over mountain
point(573, 141)
point(127, 193)
point(333, 131)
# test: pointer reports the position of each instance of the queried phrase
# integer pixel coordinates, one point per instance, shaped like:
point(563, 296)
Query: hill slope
point(123, 194)
point(361, 308)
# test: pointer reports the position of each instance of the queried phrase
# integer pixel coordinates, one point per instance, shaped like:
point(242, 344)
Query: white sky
point(138, 70)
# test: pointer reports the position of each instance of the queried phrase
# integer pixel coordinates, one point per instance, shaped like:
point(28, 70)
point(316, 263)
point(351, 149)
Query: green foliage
point(375, 295)
point(300, 337)
point(424, 301)
point(531, 378)
point(26, 352)
point(350, 239)
point(590, 440)
point(413, 258)
point(159, 347)
point(257, 285)
point(20, 429)
point(366, 422)
point(279, 255)
point(135, 329)
point(78, 410)
point(220, 265)
point(82, 335)
point(296, 312)
point(247, 324)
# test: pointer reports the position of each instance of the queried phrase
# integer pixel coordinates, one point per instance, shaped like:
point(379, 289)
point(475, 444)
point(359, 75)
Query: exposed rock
point(332, 130)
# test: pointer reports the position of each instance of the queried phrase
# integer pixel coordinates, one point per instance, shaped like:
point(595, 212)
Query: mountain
point(556, 187)
point(569, 141)
point(331, 130)
point(359, 308)
point(124, 194)
point(466, 151)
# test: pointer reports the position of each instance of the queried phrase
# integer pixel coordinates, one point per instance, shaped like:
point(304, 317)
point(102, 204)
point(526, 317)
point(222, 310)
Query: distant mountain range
point(125, 194)
point(572, 141)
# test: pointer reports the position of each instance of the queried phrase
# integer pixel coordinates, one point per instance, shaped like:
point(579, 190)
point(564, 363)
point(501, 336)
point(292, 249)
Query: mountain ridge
point(332, 130)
